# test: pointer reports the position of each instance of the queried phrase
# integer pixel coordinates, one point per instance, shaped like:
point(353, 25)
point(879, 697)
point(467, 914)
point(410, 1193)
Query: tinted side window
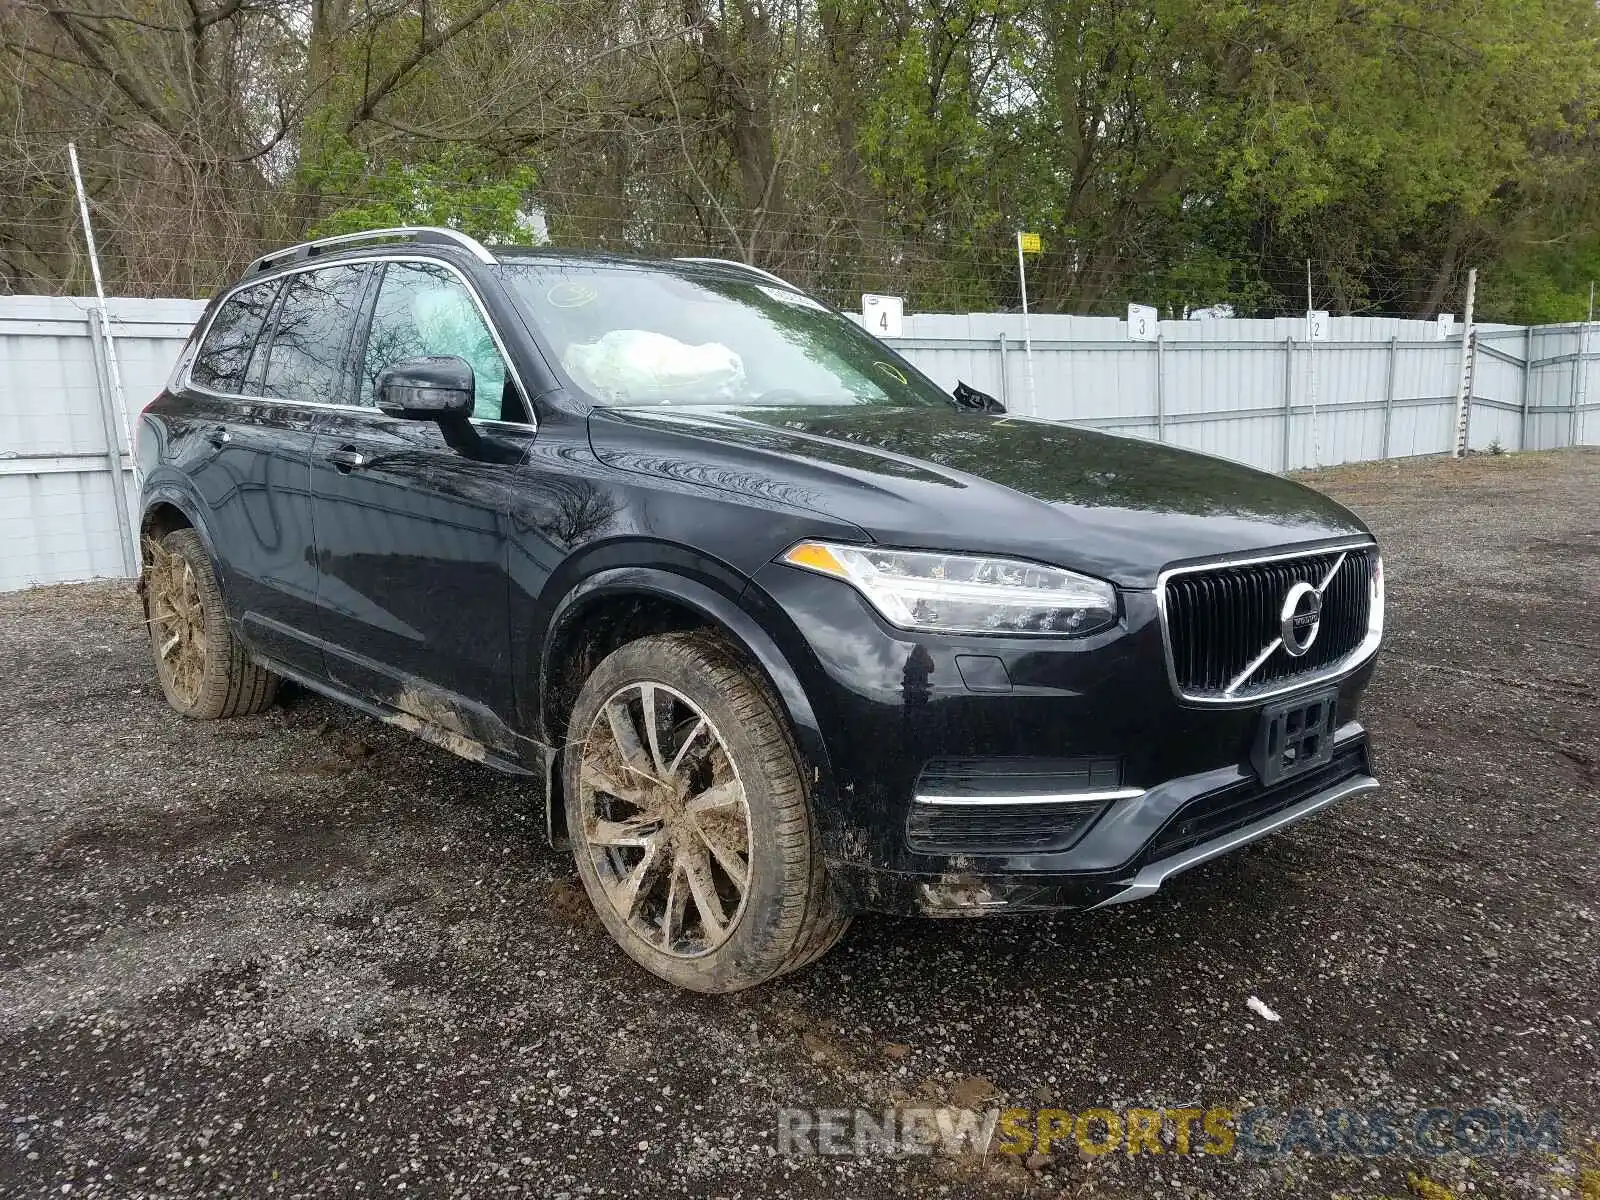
point(225, 354)
point(423, 309)
point(306, 359)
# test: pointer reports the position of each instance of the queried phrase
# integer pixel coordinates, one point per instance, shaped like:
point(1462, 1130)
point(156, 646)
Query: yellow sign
point(1030, 243)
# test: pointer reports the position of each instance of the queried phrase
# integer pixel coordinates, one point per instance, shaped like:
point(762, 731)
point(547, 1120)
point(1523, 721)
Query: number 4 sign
point(884, 315)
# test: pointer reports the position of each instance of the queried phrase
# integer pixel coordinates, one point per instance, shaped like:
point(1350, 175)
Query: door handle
point(347, 459)
point(219, 436)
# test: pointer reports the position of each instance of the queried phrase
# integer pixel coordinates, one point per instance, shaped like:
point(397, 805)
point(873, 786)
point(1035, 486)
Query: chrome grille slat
point(1218, 618)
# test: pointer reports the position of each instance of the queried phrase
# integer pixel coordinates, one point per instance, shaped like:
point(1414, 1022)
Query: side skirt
point(429, 731)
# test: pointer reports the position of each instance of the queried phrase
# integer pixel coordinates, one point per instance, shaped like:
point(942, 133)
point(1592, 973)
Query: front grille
point(1219, 619)
point(1220, 813)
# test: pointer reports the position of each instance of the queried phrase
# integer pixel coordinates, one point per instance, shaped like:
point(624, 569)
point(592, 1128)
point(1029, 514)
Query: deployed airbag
point(638, 364)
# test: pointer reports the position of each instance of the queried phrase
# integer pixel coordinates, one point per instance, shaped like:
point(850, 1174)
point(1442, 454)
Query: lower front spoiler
point(957, 894)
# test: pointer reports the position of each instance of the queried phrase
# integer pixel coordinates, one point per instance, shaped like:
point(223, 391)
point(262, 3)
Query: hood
point(1120, 508)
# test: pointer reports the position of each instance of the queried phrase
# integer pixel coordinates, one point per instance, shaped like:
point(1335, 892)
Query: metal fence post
point(1161, 392)
point(1005, 375)
point(1288, 395)
point(1527, 389)
point(1579, 390)
point(98, 336)
point(1388, 394)
point(1463, 414)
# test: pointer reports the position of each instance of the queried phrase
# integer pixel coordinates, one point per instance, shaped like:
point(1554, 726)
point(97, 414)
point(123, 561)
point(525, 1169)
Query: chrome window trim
point(323, 265)
point(1365, 650)
point(1049, 798)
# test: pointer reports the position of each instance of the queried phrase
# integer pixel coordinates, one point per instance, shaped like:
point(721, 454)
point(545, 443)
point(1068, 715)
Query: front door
point(413, 592)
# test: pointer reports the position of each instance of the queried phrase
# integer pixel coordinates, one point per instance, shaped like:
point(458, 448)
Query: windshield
point(630, 336)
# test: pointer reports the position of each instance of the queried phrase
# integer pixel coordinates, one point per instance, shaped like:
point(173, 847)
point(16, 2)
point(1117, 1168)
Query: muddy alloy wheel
point(177, 622)
point(666, 823)
point(203, 668)
point(690, 816)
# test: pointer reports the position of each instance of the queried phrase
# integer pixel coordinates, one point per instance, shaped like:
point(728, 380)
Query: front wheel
point(690, 820)
point(202, 667)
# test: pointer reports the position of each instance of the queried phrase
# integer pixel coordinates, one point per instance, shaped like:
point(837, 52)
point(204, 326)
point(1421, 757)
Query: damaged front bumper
point(1190, 821)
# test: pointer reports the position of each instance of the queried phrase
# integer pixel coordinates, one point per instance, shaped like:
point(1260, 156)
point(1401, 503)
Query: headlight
point(959, 593)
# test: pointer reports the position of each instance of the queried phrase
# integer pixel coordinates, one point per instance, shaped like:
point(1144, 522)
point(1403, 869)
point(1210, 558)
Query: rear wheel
point(689, 817)
point(203, 669)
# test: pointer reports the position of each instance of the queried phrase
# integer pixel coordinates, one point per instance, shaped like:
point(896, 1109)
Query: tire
point(202, 667)
point(655, 823)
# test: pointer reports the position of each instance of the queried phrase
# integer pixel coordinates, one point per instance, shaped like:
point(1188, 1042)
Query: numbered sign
point(1143, 323)
point(1447, 325)
point(1317, 325)
point(884, 316)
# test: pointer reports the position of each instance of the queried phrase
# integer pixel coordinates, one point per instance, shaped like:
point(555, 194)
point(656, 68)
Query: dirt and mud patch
point(306, 954)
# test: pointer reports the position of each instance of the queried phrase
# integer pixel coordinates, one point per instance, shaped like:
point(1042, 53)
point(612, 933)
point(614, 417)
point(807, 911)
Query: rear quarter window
point(224, 356)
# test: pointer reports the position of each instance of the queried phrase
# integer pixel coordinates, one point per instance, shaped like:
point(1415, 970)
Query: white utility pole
point(1464, 375)
point(1311, 365)
point(1580, 375)
point(117, 396)
point(1027, 329)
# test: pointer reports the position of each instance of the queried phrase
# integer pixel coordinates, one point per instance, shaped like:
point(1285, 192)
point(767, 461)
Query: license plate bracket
point(1295, 736)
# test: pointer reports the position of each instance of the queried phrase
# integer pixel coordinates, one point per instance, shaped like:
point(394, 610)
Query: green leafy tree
point(491, 203)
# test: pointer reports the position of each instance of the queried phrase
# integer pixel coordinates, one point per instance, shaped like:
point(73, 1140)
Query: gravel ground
point(304, 954)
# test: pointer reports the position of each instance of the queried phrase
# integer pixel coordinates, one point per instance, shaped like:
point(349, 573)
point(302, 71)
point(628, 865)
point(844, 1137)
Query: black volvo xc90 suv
point(780, 630)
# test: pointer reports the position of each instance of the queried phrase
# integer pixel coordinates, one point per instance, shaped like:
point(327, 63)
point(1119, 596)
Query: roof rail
point(730, 262)
point(428, 234)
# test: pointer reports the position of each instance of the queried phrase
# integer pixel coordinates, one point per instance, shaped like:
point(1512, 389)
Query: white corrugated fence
point(60, 431)
point(1254, 391)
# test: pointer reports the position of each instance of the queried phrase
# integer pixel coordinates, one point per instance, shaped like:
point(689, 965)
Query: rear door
point(413, 592)
point(254, 441)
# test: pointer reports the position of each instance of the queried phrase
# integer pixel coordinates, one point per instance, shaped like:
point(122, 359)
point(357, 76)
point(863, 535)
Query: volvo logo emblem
point(1300, 619)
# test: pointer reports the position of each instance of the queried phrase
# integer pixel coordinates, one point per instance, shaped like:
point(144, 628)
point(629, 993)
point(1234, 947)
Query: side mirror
point(970, 397)
point(436, 388)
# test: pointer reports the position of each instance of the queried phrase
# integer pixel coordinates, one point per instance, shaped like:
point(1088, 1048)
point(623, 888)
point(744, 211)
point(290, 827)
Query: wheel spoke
point(637, 832)
point(597, 779)
point(171, 643)
point(720, 795)
point(188, 594)
point(626, 893)
point(713, 918)
point(652, 732)
point(629, 749)
point(677, 759)
point(677, 903)
point(724, 851)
